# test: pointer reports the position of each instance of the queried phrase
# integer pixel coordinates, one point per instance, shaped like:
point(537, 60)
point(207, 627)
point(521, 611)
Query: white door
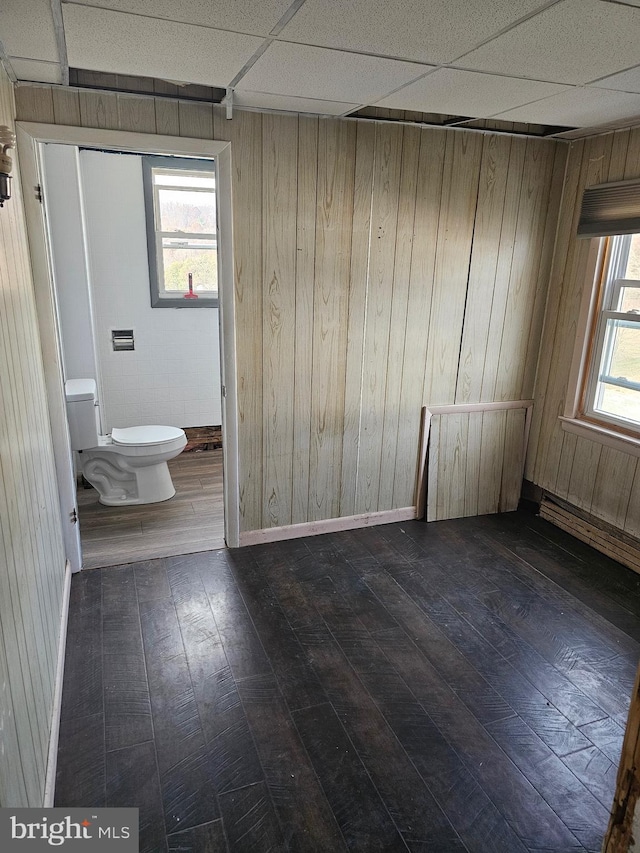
point(52, 357)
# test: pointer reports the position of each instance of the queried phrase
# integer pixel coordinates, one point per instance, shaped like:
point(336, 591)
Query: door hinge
point(39, 195)
point(73, 516)
point(224, 390)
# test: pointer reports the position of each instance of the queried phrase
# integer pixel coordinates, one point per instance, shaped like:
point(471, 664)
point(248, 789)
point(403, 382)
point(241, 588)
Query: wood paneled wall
point(378, 268)
point(31, 554)
point(601, 480)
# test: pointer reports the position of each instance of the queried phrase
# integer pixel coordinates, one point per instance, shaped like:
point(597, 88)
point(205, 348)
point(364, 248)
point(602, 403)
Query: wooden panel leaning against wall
point(475, 463)
point(599, 480)
point(378, 268)
point(32, 565)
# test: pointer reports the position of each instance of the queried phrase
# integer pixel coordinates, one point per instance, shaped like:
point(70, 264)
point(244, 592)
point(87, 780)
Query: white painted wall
point(173, 375)
point(64, 217)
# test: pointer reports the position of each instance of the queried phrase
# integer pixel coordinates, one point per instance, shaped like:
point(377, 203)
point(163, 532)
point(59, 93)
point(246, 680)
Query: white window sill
point(608, 437)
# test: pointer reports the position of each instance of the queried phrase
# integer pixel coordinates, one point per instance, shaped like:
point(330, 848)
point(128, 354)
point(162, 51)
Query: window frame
point(575, 417)
point(155, 235)
point(610, 283)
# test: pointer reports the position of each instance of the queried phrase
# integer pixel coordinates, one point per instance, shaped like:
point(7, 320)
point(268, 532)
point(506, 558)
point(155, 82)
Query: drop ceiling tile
point(288, 103)
point(574, 41)
point(332, 75)
point(26, 30)
point(582, 107)
point(626, 81)
point(117, 43)
point(243, 16)
point(467, 93)
point(35, 70)
point(431, 31)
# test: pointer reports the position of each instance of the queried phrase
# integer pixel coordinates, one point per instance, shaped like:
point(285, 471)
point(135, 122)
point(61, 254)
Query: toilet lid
point(145, 435)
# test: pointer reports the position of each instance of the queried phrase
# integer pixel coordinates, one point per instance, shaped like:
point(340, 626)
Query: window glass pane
point(201, 262)
point(181, 210)
point(633, 263)
point(629, 300)
point(618, 391)
point(621, 354)
point(620, 403)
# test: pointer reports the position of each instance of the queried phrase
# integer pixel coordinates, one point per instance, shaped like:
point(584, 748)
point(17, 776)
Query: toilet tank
point(82, 413)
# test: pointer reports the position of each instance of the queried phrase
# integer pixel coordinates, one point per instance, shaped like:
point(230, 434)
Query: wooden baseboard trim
point(52, 758)
point(328, 525)
point(600, 535)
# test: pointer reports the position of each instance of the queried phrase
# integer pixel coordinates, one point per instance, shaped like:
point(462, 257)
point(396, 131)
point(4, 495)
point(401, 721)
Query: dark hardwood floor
point(457, 686)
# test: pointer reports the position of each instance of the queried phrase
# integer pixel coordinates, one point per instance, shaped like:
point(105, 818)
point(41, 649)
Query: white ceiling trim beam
point(58, 26)
point(317, 24)
point(284, 20)
point(288, 15)
point(6, 62)
point(250, 63)
point(506, 29)
point(223, 25)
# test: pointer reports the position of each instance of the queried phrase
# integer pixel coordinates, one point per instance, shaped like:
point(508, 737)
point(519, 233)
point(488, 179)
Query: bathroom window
point(182, 232)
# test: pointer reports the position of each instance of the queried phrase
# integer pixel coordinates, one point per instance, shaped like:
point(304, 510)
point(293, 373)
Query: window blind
point(610, 209)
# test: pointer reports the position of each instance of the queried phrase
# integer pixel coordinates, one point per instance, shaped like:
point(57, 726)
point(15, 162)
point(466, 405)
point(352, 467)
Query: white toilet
point(130, 465)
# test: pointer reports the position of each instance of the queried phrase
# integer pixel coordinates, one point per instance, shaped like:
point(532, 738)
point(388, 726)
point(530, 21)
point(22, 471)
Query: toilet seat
point(145, 436)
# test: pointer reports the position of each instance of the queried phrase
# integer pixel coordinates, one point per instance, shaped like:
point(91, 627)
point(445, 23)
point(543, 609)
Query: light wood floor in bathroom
point(192, 521)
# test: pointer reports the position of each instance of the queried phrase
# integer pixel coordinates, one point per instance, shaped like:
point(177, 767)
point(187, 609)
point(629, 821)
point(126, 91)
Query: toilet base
point(122, 485)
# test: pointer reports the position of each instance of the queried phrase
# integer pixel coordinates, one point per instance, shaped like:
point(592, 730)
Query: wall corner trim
point(52, 760)
point(327, 525)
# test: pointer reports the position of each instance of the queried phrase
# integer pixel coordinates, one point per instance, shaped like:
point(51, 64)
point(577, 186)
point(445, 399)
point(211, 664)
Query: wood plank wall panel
point(531, 220)
point(32, 561)
point(66, 106)
point(334, 216)
point(279, 224)
point(360, 245)
point(505, 252)
point(380, 297)
point(494, 171)
point(303, 357)
point(137, 114)
point(246, 145)
point(632, 521)
point(453, 254)
point(399, 314)
point(542, 285)
point(375, 265)
point(421, 283)
point(597, 479)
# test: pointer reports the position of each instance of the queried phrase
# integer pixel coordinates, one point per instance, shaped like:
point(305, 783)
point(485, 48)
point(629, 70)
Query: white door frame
point(31, 136)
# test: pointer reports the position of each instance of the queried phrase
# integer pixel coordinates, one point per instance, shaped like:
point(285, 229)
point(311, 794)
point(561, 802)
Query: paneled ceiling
point(561, 62)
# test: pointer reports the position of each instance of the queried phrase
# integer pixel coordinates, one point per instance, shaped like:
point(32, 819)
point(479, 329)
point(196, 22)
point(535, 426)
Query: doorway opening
point(181, 370)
